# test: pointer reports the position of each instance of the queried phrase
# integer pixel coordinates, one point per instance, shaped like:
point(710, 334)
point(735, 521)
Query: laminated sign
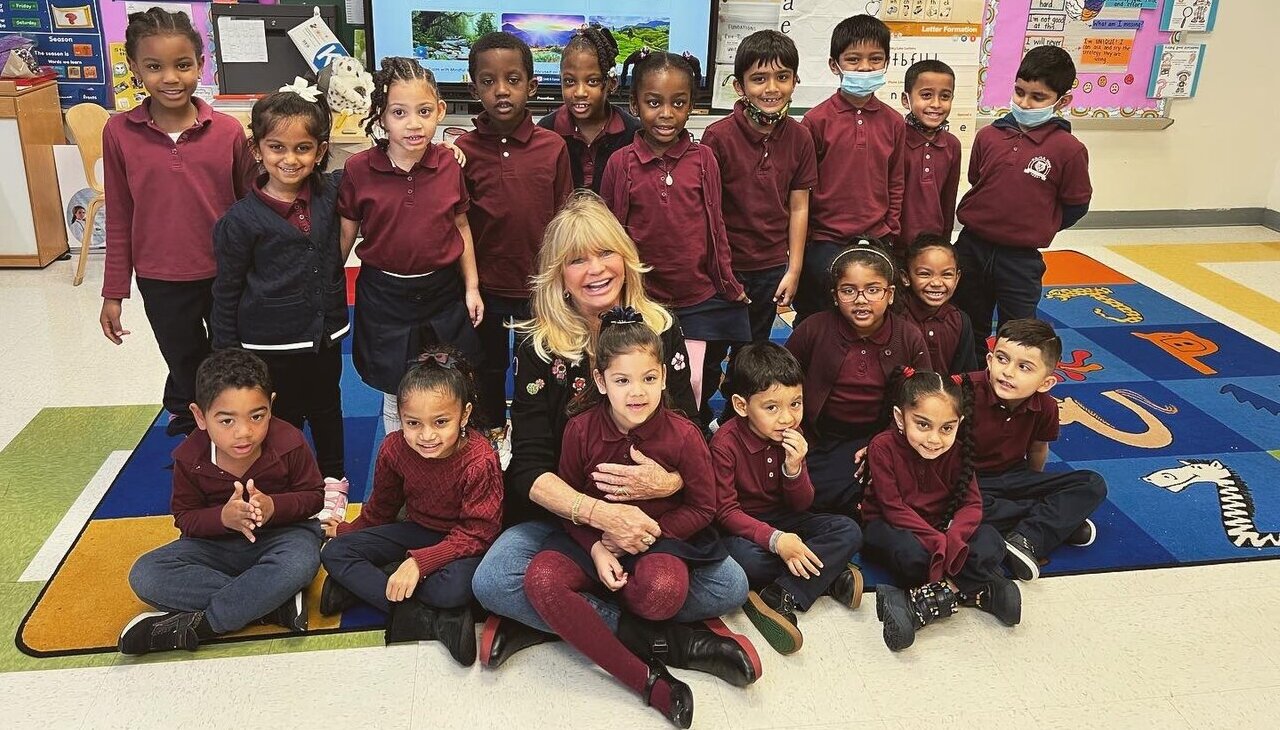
point(317, 44)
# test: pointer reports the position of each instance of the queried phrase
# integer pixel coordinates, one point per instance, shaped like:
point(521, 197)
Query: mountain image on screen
point(448, 36)
point(634, 33)
point(545, 34)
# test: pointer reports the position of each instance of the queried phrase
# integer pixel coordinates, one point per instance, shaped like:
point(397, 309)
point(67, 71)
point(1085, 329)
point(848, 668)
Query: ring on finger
point(647, 539)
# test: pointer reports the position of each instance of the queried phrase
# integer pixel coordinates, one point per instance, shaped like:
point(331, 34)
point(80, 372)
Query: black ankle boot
point(681, 712)
point(410, 620)
point(773, 612)
point(1000, 598)
point(709, 647)
point(905, 611)
point(501, 637)
point(455, 628)
point(335, 598)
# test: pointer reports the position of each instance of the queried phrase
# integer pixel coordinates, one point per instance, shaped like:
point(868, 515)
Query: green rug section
point(42, 472)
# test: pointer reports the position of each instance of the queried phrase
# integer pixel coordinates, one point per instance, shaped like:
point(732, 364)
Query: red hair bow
point(957, 379)
point(908, 371)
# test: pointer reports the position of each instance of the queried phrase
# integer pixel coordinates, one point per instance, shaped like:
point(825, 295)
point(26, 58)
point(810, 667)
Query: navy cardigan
point(277, 288)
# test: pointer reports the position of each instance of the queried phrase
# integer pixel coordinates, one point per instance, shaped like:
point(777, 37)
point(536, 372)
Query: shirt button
point(409, 179)
point(858, 110)
point(864, 352)
point(769, 460)
point(411, 191)
point(771, 474)
point(301, 217)
point(926, 169)
point(1015, 149)
point(928, 157)
point(504, 140)
point(931, 333)
point(859, 122)
point(506, 154)
point(766, 154)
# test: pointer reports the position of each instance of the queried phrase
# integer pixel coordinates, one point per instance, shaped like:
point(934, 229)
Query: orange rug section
point(1069, 268)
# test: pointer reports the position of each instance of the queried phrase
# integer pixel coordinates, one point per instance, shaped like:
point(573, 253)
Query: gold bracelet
point(592, 511)
point(573, 513)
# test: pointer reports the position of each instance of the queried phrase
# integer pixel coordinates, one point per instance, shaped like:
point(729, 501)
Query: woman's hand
point(626, 527)
point(646, 479)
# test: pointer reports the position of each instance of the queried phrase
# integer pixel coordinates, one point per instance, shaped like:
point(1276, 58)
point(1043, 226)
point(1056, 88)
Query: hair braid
point(596, 39)
point(157, 21)
point(961, 485)
point(393, 69)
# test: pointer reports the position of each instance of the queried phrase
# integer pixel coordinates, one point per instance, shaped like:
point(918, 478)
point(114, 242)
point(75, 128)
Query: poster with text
point(68, 38)
point(1175, 72)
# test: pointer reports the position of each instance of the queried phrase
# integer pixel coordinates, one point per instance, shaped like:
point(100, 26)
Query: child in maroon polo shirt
point(518, 176)
point(929, 275)
point(446, 477)
point(1030, 179)
point(791, 556)
point(767, 166)
point(1014, 420)
point(931, 156)
point(171, 167)
point(923, 513)
point(245, 486)
point(665, 189)
point(592, 128)
point(859, 142)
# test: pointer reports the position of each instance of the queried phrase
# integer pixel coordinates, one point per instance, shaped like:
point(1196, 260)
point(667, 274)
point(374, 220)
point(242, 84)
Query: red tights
point(655, 590)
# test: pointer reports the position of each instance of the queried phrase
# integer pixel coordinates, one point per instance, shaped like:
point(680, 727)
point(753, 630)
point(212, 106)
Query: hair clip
point(441, 359)
point(908, 371)
point(620, 315)
point(302, 88)
point(957, 379)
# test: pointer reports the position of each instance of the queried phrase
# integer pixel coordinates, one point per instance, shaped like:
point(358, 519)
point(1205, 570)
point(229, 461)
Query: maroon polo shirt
point(932, 172)
point(860, 169)
point(163, 197)
point(751, 482)
point(1021, 181)
point(1002, 436)
point(406, 217)
point(941, 329)
point(911, 493)
point(759, 171)
point(678, 228)
point(517, 183)
point(286, 470)
point(297, 213)
point(673, 441)
point(459, 497)
point(844, 372)
point(564, 126)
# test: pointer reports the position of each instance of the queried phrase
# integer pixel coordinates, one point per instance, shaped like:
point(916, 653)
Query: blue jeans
point(355, 560)
point(232, 580)
point(499, 582)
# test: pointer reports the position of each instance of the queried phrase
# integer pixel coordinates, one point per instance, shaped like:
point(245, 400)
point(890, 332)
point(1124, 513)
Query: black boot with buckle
point(905, 611)
point(709, 647)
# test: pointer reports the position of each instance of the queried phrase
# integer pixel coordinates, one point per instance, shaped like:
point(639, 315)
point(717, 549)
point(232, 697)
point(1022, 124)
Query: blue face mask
point(861, 83)
point(1030, 118)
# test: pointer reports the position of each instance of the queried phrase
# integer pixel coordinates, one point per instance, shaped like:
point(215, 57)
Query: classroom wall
point(1221, 151)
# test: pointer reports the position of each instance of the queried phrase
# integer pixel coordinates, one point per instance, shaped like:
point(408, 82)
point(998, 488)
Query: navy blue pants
point(307, 386)
point(1043, 507)
point(761, 286)
point(996, 277)
point(833, 538)
point(179, 315)
point(355, 560)
point(831, 469)
point(495, 344)
point(905, 557)
point(815, 279)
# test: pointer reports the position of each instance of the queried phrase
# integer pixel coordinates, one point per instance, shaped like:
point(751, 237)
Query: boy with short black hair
point(1014, 419)
point(245, 487)
point(1030, 179)
point(859, 143)
point(768, 166)
point(931, 155)
point(517, 175)
point(791, 556)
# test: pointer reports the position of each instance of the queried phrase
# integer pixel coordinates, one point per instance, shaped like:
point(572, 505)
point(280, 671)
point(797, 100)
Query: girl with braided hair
point(923, 513)
point(418, 283)
point(592, 128)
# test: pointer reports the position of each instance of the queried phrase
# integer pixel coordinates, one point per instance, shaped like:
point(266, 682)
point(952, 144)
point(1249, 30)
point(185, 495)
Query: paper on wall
point(1175, 70)
point(739, 20)
point(131, 7)
point(242, 40)
point(317, 44)
point(355, 12)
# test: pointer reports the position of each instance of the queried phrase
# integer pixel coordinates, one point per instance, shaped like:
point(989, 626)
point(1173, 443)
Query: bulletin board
point(68, 37)
point(1113, 43)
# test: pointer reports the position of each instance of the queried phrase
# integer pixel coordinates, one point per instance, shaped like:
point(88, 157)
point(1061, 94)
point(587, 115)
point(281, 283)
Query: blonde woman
point(586, 266)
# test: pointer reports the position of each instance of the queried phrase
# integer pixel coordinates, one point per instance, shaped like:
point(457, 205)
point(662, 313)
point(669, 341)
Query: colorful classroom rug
point(1180, 413)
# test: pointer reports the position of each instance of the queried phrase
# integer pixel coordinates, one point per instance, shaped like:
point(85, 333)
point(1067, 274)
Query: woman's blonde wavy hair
point(583, 226)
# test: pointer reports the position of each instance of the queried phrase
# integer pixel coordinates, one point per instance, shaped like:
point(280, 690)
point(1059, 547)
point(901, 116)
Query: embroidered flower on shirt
point(535, 386)
point(558, 370)
point(579, 384)
point(678, 362)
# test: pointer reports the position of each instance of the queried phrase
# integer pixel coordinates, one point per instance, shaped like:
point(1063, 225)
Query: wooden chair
point(86, 122)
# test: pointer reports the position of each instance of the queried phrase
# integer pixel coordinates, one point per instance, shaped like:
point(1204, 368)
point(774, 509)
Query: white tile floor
point(1192, 647)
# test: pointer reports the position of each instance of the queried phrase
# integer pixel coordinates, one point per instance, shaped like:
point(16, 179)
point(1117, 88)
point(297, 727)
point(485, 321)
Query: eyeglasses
point(872, 293)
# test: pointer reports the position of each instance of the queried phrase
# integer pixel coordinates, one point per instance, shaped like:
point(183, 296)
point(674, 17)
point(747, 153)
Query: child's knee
point(1095, 485)
point(847, 532)
point(658, 588)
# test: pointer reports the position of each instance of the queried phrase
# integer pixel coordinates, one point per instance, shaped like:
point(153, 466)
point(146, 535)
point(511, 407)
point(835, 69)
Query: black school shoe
point(160, 631)
point(1084, 535)
point(1021, 558)
point(848, 586)
point(413, 620)
point(1000, 598)
point(335, 598)
point(181, 424)
point(681, 712)
point(773, 611)
point(292, 614)
point(501, 637)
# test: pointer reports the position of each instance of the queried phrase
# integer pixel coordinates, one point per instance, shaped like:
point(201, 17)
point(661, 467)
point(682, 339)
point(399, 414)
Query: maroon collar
point(522, 132)
point(381, 161)
point(745, 436)
point(279, 206)
point(879, 337)
point(916, 139)
point(656, 423)
point(141, 114)
point(753, 135)
point(1032, 403)
point(675, 152)
point(844, 105)
point(921, 311)
point(564, 125)
point(195, 450)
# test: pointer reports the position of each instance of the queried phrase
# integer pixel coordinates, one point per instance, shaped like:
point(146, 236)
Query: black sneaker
point(160, 631)
point(894, 609)
point(847, 587)
point(1000, 598)
point(180, 424)
point(1084, 535)
point(773, 611)
point(335, 598)
point(1020, 556)
point(292, 614)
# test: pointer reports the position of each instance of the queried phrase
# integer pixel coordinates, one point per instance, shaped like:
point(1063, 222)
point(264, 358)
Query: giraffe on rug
point(1234, 498)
